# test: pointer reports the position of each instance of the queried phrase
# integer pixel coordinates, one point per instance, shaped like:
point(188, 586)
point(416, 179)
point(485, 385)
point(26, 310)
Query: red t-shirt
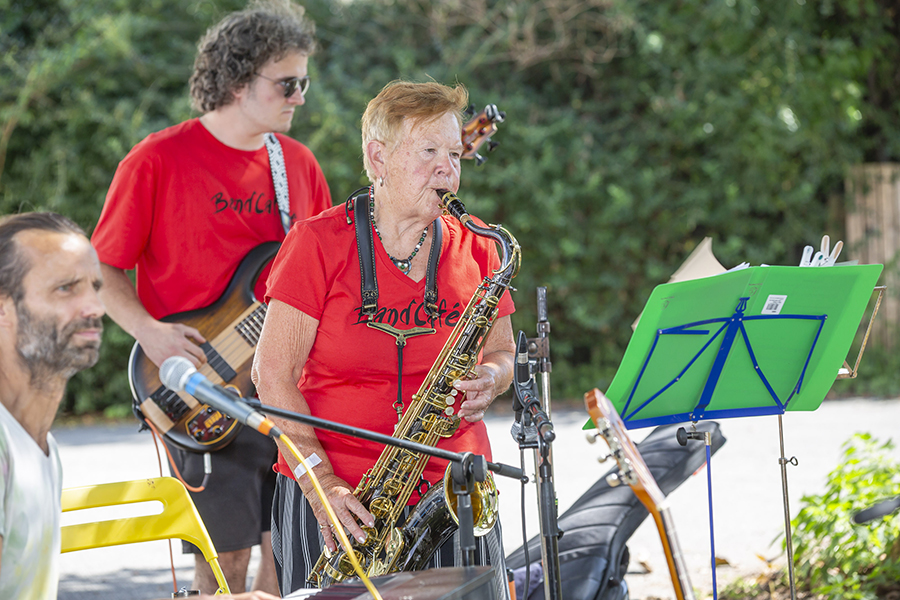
point(351, 373)
point(185, 209)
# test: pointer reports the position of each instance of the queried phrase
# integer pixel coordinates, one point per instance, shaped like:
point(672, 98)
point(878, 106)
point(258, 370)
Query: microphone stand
point(535, 430)
point(466, 469)
point(528, 437)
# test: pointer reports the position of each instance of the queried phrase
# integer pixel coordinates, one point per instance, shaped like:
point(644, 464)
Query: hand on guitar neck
point(161, 340)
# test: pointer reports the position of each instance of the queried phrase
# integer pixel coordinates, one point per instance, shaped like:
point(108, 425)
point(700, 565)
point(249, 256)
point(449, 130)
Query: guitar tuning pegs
point(604, 458)
point(470, 110)
point(494, 114)
point(492, 144)
point(591, 437)
point(612, 480)
point(479, 160)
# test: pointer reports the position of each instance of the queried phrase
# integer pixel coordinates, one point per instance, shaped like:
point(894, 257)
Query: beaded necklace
point(404, 264)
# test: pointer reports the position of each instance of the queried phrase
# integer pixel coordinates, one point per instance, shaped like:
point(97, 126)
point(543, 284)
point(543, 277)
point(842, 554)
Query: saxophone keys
point(393, 547)
point(448, 411)
point(345, 566)
point(378, 568)
point(381, 507)
point(393, 486)
point(371, 535)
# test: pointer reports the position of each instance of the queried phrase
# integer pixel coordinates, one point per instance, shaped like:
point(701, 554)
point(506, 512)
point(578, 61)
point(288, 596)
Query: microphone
point(178, 374)
point(523, 372)
point(523, 385)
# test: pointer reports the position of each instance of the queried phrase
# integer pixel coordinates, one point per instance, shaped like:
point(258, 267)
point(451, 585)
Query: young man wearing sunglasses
point(184, 208)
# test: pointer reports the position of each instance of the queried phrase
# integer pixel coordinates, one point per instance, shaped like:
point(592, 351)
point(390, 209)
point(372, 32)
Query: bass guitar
point(633, 471)
point(231, 326)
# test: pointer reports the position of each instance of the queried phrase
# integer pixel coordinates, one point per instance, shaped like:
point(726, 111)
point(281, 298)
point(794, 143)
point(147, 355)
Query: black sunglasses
point(291, 84)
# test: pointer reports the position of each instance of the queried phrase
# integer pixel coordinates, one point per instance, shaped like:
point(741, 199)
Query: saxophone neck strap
point(434, 255)
point(401, 335)
point(366, 251)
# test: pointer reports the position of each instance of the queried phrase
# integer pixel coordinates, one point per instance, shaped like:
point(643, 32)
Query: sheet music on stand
point(701, 262)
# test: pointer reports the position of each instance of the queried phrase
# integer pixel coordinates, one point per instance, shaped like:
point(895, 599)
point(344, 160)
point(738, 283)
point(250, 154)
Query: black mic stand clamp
point(471, 468)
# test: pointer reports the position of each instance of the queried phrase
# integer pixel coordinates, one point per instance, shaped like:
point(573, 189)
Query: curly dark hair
point(232, 51)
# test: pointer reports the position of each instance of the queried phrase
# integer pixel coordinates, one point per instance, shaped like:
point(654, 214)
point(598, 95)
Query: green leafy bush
point(633, 131)
point(836, 558)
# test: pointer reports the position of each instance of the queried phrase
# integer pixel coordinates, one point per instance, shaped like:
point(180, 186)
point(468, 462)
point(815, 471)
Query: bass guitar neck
point(231, 326)
point(634, 471)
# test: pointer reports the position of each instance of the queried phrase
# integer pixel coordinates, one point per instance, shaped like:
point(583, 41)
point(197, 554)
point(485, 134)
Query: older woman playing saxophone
point(321, 353)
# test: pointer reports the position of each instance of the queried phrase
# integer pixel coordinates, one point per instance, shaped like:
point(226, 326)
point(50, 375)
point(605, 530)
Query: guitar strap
point(279, 179)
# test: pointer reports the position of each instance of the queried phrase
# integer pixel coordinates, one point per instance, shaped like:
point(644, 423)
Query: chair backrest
point(179, 518)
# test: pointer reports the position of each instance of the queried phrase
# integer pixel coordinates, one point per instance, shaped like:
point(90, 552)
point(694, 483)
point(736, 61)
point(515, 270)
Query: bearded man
point(50, 328)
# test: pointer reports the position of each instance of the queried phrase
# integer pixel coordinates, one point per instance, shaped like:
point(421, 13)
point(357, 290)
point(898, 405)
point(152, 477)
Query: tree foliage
point(633, 129)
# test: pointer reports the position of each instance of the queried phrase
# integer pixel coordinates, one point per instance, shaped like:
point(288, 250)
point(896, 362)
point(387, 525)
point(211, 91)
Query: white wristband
point(313, 459)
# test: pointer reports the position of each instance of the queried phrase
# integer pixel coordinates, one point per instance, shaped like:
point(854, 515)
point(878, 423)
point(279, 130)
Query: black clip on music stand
point(780, 345)
point(467, 468)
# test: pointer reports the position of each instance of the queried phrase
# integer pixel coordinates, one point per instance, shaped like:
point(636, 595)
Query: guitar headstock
point(633, 471)
point(478, 131)
point(632, 468)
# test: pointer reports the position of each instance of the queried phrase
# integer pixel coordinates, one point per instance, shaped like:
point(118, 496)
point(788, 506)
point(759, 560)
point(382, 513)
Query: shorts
point(297, 543)
point(236, 505)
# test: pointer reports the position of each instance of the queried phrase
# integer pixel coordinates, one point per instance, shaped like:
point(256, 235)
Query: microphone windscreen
point(175, 371)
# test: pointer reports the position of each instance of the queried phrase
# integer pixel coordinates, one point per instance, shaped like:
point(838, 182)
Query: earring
point(381, 181)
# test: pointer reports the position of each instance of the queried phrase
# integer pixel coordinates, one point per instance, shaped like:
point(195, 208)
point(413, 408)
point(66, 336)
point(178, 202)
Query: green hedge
point(633, 130)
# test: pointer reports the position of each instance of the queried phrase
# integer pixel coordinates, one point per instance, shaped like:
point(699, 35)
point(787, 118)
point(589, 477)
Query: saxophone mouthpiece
point(446, 197)
point(453, 205)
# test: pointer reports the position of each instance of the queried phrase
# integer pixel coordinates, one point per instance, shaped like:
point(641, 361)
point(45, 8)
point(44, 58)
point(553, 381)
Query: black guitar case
point(593, 556)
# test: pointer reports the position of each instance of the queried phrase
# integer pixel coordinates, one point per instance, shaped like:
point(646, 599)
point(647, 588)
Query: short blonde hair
point(399, 100)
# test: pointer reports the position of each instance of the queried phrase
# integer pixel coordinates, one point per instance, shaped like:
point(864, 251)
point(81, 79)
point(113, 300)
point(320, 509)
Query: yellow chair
point(179, 518)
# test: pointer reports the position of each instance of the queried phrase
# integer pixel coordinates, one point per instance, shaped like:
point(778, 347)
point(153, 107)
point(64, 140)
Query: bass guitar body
point(231, 327)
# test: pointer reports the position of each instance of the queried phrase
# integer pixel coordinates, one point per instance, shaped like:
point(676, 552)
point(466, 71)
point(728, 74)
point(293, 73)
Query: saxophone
point(385, 489)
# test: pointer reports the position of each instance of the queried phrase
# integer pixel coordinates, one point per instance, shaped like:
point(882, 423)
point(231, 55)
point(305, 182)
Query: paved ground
point(747, 496)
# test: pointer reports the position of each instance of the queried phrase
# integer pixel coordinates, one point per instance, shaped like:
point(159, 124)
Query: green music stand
point(756, 341)
point(759, 341)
